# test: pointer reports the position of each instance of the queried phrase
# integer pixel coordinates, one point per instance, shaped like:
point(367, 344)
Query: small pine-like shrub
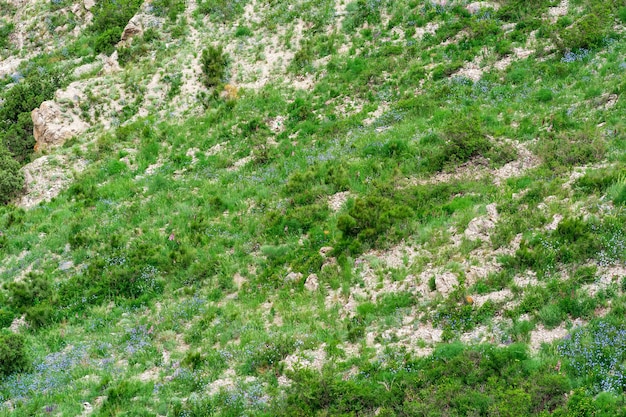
point(213, 63)
point(13, 357)
point(28, 292)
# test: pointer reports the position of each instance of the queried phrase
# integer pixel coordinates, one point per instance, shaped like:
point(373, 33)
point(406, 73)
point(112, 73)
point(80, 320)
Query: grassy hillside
point(392, 208)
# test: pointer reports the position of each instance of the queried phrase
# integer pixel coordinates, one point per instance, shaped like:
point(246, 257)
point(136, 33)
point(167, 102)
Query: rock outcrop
point(53, 127)
point(133, 28)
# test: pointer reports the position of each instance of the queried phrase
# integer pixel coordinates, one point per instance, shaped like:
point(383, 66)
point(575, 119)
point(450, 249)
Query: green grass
point(200, 245)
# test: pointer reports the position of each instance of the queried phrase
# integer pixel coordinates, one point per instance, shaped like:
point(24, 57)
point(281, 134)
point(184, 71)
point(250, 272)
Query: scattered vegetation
point(400, 208)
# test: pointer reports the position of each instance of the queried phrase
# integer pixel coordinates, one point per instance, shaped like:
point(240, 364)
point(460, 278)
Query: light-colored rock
point(18, 323)
point(480, 227)
point(111, 64)
point(312, 359)
point(556, 219)
point(312, 283)
point(446, 282)
point(86, 69)
point(558, 11)
point(45, 177)
point(88, 4)
point(476, 6)
point(293, 276)
point(336, 201)
point(67, 265)
point(133, 28)
point(53, 127)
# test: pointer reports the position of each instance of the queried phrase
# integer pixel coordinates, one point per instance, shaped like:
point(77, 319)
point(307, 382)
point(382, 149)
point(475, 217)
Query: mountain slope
point(315, 208)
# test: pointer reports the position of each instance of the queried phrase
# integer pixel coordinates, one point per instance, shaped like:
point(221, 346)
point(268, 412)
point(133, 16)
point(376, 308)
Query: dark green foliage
point(139, 47)
point(620, 196)
point(464, 140)
point(11, 178)
point(587, 32)
point(213, 63)
point(243, 32)
point(370, 217)
point(34, 297)
point(521, 11)
point(597, 181)
point(566, 150)
point(482, 380)
point(28, 292)
point(267, 355)
point(222, 10)
point(5, 31)
point(133, 275)
point(105, 41)
point(574, 241)
point(6, 317)
point(544, 95)
point(109, 19)
point(175, 81)
point(16, 128)
point(169, 8)
point(13, 356)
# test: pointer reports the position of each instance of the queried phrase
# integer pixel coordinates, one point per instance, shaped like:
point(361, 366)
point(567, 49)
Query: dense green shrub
point(465, 140)
point(28, 292)
point(13, 356)
point(370, 217)
point(482, 380)
point(16, 127)
point(521, 11)
point(109, 20)
point(11, 178)
point(5, 31)
point(121, 394)
point(571, 149)
point(213, 63)
point(6, 317)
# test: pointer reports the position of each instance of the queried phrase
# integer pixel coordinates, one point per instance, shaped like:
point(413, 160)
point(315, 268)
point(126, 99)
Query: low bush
point(11, 178)
point(481, 380)
point(29, 292)
point(5, 31)
point(110, 17)
point(13, 356)
point(213, 63)
point(370, 217)
point(566, 149)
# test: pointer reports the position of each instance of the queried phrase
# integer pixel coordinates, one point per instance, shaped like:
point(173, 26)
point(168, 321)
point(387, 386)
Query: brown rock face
point(53, 127)
point(132, 29)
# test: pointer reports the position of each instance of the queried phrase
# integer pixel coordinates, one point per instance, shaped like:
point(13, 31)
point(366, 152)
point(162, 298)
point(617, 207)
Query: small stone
point(312, 283)
point(446, 282)
point(293, 276)
point(64, 266)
